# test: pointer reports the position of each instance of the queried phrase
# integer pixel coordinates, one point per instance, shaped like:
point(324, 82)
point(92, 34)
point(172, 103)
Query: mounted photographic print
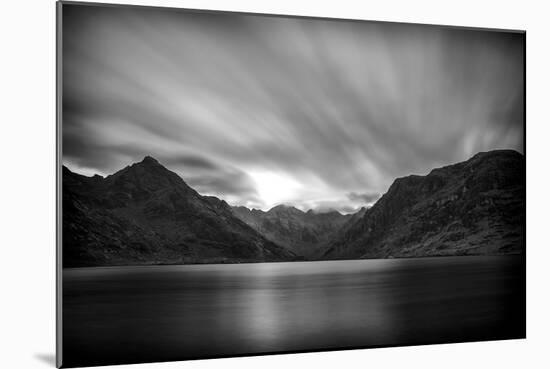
point(238, 184)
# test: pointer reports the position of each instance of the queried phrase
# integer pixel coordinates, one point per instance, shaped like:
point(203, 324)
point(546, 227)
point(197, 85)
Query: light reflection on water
point(131, 314)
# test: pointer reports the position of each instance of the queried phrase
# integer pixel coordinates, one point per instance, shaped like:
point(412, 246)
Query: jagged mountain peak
point(285, 208)
point(446, 212)
point(147, 175)
point(324, 212)
point(149, 160)
point(302, 232)
point(145, 213)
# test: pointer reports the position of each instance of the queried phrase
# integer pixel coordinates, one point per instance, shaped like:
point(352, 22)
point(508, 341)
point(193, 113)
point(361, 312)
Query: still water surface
point(155, 313)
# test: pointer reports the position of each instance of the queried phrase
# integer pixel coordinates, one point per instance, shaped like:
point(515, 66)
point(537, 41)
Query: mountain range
point(305, 233)
point(476, 207)
point(147, 214)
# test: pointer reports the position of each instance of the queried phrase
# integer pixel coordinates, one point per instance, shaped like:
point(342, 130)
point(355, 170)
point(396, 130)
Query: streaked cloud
point(331, 111)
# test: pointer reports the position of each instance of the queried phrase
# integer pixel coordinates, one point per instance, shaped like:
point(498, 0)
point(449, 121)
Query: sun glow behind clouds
point(274, 188)
point(260, 111)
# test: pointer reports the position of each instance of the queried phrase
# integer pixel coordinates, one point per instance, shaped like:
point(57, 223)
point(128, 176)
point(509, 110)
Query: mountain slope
point(146, 214)
point(305, 233)
point(474, 207)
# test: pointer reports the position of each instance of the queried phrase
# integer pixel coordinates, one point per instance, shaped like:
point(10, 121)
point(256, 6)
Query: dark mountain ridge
point(476, 207)
point(146, 214)
point(305, 233)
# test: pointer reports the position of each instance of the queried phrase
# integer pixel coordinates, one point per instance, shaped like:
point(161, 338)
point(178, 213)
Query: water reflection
point(132, 314)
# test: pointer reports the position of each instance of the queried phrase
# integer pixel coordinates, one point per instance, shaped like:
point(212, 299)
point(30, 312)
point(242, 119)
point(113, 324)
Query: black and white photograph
point(236, 184)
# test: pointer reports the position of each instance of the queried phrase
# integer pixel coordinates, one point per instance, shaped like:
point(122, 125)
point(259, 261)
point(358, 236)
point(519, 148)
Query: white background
point(27, 183)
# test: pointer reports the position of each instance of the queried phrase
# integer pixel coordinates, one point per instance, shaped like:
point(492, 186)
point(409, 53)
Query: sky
point(260, 111)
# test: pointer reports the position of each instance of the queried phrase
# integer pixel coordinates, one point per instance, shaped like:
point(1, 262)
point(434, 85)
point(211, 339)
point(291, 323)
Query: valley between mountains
point(146, 214)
